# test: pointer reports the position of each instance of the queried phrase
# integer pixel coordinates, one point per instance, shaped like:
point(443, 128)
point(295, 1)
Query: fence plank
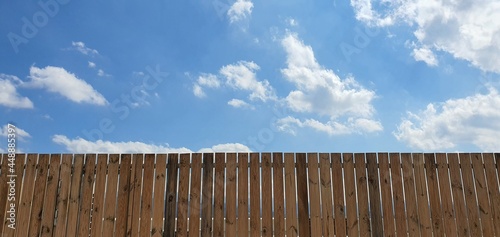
point(493, 191)
point(231, 195)
point(385, 189)
point(63, 197)
point(326, 193)
point(135, 202)
point(314, 194)
point(361, 185)
point(267, 221)
point(470, 195)
point(4, 187)
point(171, 195)
point(182, 205)
point(254, 195)
point(194, 197)
point(290, 199)
point(124, 191)
point(86, 193)
point(98, 203)
point(243, 194)
point(49, 206)
point(110, 197)
point(338, 195)
point(410, 195)
point(74, 195)
point(147, 195)
point(38, 195)
point(397, 189)
point(23, 210)
point(159, 195)
point(433, 190)
point(482, 194)
point(279, 200)
point(458, 196)
point(450, 227)
point(220, 159)
point(350, 195)
point(206, 205)
point(374, 189)
point(302, 200)
point(424, 215)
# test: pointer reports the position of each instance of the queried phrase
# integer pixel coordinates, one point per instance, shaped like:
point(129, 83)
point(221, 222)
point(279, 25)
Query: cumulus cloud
point(241, 75)
point(426, 55)
point(9, 96)
point(60, 81)
point(239, 103)
point(240, 10)
point(468, 30)
point(80, 47)
point(319, 91)
point(80, 145)
point(20, 133)
point(91, 64)
point(471, 120)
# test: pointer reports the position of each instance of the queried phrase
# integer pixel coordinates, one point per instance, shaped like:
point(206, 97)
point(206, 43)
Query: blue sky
point(250, 75)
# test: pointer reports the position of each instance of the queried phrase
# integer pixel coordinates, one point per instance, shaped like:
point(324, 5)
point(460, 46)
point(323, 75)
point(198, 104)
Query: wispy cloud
point(10, 97)
point(82, 48)
point(240, 10)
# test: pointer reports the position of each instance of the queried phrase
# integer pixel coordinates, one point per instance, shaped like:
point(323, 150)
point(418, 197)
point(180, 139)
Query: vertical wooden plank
point(243, 194)
point(290, 199)
point(86, 193)
point(338, 195)
point(326, 194)
point(38, 195)
point(159, 195)
point(397, 188)
point(410, 195)
point(433, 189)
point(182, 213)
point(4, 187)
point(63, 197)
point(279, 201)
point(470, 195)
point(303, 217)
point(74, 195)
point(171, 195)
point(135, 213)
point(374, 189)
point(361, 185)
point(49, 206)
point(385, 189)
point(350, 195)
point(147, 195)
point(424, 215)
point(98, 204)
point(231, 195)
point(194, 196)
point(267, 221)
point(23, 210)
point(482, 195)
point(458, 196)
point(254, 195)
point(450, 227)
point(122, 207)
point(220, 159)
point(110, 197)
point(206, 202)
point(314, 195)
point(493, 191)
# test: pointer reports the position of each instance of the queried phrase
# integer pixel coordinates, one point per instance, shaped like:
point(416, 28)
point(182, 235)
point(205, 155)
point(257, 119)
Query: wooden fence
point(256, 194)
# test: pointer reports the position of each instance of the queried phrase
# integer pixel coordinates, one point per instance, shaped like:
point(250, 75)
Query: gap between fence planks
point(256, 194)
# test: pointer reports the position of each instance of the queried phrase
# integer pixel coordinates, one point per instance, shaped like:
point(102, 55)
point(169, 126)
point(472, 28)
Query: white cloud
point(91, 64)
point(426, 55)
point(240, 10)
point(227, 147)
point(80, 47)
point(468, 30)
point(239, 103)
point(292, 22)
point(101, 73)
point(20, 133)
point(360, 125)
point(241, 75)
point(58, 80)
point(209, 80)
point(198, 91)
point(80, 145)
point(471, 120)
point(9, 96)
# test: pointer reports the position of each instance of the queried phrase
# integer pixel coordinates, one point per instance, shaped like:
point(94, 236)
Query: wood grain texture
point(352, 228)
point(279, 195)
point(338, 195)
point(290, 199)
point(267, 194)
point(302, 200)
point(243, 194)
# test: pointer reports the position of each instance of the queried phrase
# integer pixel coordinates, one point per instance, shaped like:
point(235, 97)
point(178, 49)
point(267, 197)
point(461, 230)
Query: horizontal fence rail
point(250, 194)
